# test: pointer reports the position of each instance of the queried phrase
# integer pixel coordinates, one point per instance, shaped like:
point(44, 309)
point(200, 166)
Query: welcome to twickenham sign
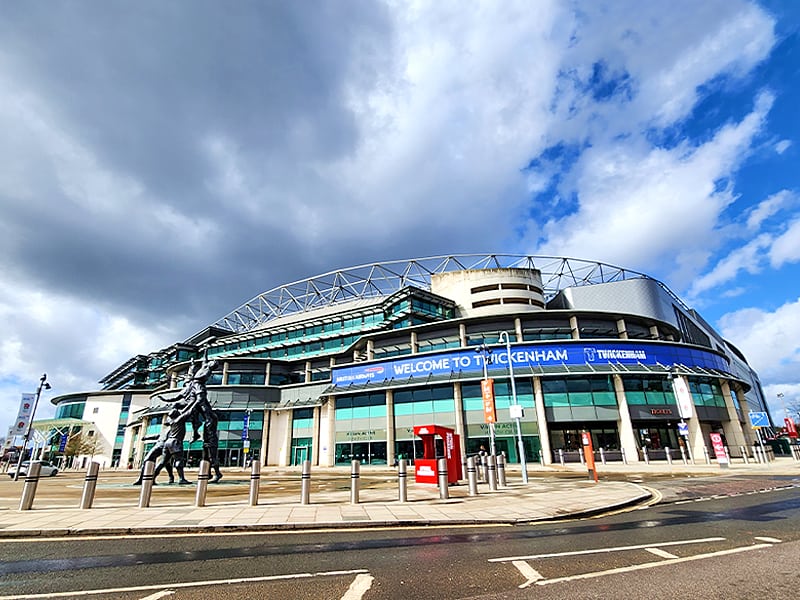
point(467, 361)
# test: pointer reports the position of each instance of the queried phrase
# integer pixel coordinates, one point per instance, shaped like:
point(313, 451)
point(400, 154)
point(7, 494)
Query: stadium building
point(342, 366)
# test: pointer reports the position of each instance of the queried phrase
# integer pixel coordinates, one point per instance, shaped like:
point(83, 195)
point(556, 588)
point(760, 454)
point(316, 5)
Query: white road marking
point(530, 574)
point(768, 539)
point(604, 550)
point(187, 584)
point(661, 553)
point(158, 595)
point(651, 565)
point(358, 588)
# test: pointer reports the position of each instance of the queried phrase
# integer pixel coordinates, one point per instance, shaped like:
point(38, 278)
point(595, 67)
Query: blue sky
point(173, 160)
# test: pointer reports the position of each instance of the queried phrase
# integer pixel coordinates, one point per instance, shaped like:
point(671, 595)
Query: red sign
point(487, 391)
point(791, 428)
point(719, 449)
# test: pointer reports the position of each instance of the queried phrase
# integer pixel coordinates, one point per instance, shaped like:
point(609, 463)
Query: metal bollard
point(305, 483)
point(646, 457)
point(402, 479)
point(472, 476)
point(683, 455)
point(561, 456)
point(255, 482)
point(147, 483)
point(203, 475)
point(493, 472)
point(743, 450)
point(90, 485)
point(602, 456)
point(705, 453)
point(728, 454)
point(624, 456)
point(355, 481)
point(485, 467)
point(668, 452)
point(580, 455)
point(441, 465)
point(31, 481)
point(541, 458)
point(501, 470)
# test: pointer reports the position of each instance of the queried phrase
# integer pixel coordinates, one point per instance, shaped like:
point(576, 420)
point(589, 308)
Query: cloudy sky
point(163, 162)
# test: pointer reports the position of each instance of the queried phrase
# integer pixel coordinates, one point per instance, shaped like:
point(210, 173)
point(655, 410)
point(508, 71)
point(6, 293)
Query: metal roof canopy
point(385, 278)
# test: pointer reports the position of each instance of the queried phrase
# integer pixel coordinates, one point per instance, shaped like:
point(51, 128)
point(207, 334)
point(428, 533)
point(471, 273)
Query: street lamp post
point(486, 353)
point(42, 385)
point(518, 410)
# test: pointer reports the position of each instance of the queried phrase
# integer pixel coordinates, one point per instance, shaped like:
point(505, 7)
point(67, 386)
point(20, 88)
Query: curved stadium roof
point(381, 279)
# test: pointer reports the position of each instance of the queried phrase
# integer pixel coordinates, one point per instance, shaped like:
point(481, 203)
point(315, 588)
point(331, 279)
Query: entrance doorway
point(300, 454)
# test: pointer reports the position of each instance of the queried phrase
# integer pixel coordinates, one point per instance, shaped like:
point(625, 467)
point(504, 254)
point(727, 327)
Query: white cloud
point(767, 208)
point(769, 339)
point(786, 247)
point(782, 146)
point(749, 257)
point(656, 205)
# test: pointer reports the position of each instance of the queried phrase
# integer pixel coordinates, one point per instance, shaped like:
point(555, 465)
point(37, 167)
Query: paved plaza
point(552, 493)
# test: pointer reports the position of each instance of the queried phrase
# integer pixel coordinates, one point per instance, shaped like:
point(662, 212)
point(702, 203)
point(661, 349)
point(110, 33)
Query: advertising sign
point(487, 392)
point(523, 356)
point(791, 428)
point(719, 449)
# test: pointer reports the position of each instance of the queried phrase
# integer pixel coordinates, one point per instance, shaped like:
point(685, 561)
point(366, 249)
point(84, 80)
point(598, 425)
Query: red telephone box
point(425, 469)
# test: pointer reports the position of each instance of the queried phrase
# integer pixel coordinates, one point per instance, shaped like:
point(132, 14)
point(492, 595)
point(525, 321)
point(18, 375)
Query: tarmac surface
point(552, 492)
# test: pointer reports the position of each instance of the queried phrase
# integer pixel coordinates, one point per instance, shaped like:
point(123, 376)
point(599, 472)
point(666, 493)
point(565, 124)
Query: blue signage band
point(578, 353)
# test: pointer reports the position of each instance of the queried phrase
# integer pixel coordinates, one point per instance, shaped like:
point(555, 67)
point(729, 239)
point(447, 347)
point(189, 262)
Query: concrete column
point(541, 419)
point(307, 376)
point(286, 459)
point(458, 401)
point(732, 428)
point(331, 456)
point(225, 366)
point(370, 349)
point(696, 439)
point(315, 438)
point(575, 330)
point(654, 332)
point(627, 436)
point(622, 330)
point(462, 335)
point(414, 343)
point(390, 433)
point(267, 372)
point(518, 328)
point(265, 437)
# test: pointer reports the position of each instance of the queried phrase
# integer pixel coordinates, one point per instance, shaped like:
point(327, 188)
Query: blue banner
point(578, 353)
point(245, 431)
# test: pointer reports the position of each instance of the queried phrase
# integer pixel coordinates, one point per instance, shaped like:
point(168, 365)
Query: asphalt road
point(723, 541)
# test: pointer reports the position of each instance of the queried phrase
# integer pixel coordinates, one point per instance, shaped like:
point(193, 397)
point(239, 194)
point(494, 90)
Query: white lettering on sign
point(425, 470)
point(616, 354)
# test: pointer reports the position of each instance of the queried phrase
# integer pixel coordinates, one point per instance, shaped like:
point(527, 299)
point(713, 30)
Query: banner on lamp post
point(23, 415)
point(487, 392)
point(683, 397)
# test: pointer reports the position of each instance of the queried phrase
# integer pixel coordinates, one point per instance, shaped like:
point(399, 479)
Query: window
point(583, 391)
